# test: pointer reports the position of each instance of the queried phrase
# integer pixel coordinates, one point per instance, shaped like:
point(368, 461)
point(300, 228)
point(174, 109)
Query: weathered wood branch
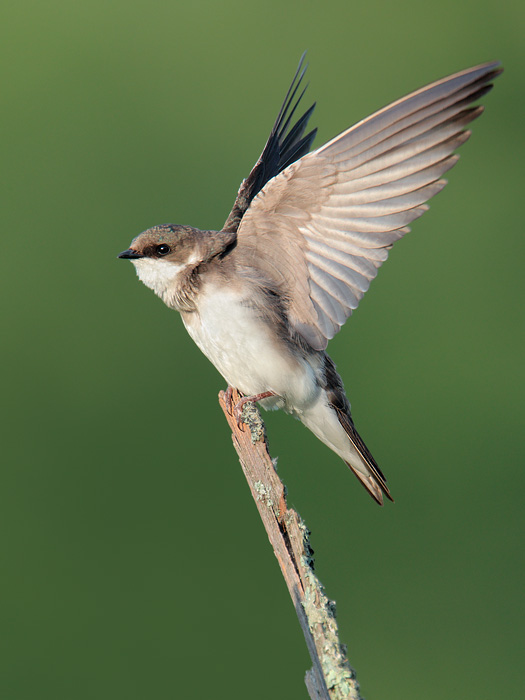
point(331, 677)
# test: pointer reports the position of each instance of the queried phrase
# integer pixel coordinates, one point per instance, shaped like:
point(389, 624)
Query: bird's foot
point(237, 409)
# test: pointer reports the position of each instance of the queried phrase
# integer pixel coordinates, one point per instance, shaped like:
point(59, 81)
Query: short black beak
point(130, 254)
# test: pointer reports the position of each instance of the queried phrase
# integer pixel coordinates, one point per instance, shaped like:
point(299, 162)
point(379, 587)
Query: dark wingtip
point(285, 145)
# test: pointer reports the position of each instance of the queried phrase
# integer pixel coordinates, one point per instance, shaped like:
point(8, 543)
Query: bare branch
point(331, 677)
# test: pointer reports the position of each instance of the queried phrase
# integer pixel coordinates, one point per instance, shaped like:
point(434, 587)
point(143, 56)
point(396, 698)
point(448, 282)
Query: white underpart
point(251, 358)
point(247, 353)
point(322, 420)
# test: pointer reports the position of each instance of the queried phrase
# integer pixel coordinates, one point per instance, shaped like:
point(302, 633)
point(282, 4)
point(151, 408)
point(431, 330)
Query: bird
point(308, 231)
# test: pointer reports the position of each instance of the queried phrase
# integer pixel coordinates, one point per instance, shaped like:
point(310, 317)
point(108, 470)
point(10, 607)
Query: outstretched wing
point(320, 229)
point(280, 151)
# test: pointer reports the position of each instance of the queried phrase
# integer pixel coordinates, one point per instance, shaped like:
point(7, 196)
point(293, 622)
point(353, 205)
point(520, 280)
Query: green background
point(134, 564)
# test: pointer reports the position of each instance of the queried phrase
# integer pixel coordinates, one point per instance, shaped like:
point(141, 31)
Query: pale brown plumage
point(322, 227)
point(306, 235)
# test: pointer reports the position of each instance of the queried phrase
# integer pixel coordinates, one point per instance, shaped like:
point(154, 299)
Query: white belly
point(247, 354)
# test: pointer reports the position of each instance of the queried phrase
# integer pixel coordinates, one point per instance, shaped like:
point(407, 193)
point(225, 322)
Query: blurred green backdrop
point(133, 561)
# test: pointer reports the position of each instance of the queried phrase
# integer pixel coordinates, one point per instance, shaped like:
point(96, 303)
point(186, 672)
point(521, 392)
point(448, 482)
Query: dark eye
point(162, 249)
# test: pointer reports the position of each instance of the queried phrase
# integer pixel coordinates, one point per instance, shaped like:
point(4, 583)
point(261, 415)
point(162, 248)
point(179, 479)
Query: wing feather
point(371, 192)
point(322, 227)
point(458, 90)
point(280, 151)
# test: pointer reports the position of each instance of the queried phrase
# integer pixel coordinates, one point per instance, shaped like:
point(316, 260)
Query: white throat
point(158, 275)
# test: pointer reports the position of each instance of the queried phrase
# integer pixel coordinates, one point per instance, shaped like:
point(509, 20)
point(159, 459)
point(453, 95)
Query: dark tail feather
point(376, 482)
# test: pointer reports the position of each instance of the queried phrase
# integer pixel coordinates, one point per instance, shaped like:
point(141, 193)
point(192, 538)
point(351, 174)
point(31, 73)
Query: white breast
point(246, 352)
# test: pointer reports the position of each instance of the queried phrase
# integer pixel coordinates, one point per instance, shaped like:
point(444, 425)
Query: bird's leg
point(237, 409)
point(228, 398)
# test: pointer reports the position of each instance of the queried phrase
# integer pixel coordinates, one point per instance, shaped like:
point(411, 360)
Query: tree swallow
point(307, 233)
